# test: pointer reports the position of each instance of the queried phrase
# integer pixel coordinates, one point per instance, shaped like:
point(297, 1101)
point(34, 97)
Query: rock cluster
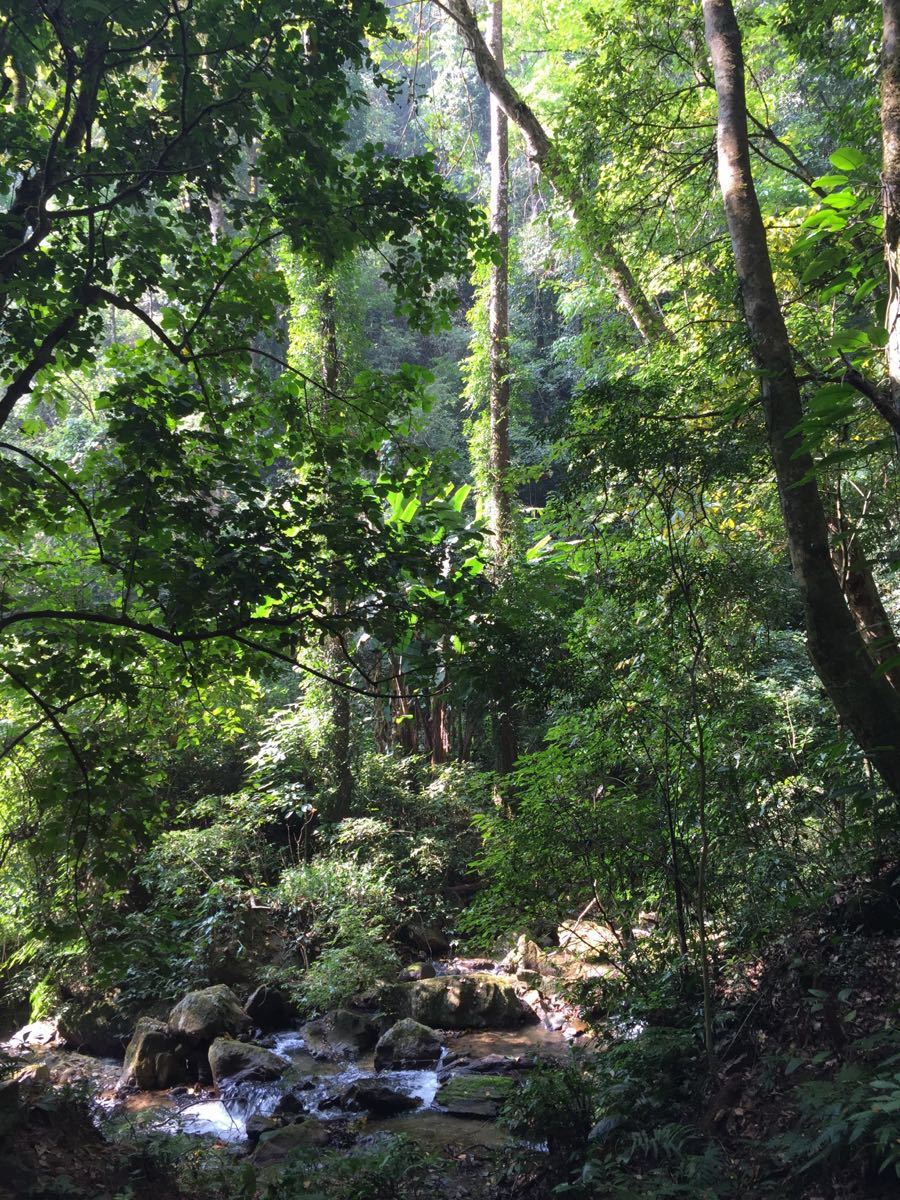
point(198, 1041)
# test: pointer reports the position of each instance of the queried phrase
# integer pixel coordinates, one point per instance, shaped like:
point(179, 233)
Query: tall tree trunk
point(340, 697)
point(498, 309)
point(498, 320)
point(890, 185)
point(868, 705)
point(646, 317)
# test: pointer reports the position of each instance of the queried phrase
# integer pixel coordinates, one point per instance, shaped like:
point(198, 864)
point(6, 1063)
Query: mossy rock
point(154, 1059)
point(477, 1097)
point(407, 1046)
point(208, 1013)
point(475, 1001)
point(243, 1062)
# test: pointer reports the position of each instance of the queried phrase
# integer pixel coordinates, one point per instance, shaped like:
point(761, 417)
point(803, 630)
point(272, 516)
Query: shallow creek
point(202, 1112)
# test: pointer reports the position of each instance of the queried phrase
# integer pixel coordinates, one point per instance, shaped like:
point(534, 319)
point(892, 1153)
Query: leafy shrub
point(556, 1105)
point(344, 912)
point(852, 1118)
point(393, 1168)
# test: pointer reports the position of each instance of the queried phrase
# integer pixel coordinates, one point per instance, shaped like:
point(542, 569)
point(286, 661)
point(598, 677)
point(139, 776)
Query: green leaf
point(534, 551)
point(460, 496)
point(846, 159)
point(842, 199)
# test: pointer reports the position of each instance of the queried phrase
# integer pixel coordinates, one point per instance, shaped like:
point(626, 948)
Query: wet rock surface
point(475, 1096)
point(242, 1062)
point(344, 1033)
point(374, 1097)
point(407, 1046)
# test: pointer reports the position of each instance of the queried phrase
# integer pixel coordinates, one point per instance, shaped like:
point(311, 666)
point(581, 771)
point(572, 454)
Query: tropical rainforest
point(449, 585)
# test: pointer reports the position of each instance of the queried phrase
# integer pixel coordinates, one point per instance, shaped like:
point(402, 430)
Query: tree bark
point(646, 317)
point(498, 309)
point(865, 701)
point(890, 189)
point(863, 598)
point(340, 697)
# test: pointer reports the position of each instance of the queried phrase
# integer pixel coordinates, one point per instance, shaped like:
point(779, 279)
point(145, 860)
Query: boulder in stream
point(257, 1125)
point(344, 1033)
point(352, 1032)
point(378, 1099)
point(527, 956)
point(476, 1001)
point(155, 1058)
point(422, 970)
point(242, 1062)
point(208, 1013)
point(478, 1097)
point(407, 1046)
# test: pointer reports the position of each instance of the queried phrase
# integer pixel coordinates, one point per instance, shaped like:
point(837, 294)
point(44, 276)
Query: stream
point(313, 1086)
point(317, 1081)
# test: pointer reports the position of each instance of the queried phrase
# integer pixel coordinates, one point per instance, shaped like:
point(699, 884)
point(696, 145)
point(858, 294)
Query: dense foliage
point(278, 704)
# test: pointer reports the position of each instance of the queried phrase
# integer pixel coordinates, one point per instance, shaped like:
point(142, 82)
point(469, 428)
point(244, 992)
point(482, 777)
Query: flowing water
point(316, 1082)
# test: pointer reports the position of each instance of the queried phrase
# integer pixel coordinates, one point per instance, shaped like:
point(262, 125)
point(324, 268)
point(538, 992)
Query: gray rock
point(290, 1105)
point(351, 1032)
point(243, 1062)
point(378, 1099)
point(466, 965)
point(257, 1125)
point(407, 1046)
point(478, 1097)
point(527, 956)
point(476, 1001)
point(154, 1058)
point(423, 970)
point(208, 1013)
point(38, 1033)
point(531, 979)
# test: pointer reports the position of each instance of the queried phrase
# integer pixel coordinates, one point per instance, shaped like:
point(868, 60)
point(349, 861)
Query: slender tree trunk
point(646, 317)
point(868, 705)
point(504, 721)
point(498, 309)
point(340, 697)
point(863, 598)
point(890, 184)
point(406, 729)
